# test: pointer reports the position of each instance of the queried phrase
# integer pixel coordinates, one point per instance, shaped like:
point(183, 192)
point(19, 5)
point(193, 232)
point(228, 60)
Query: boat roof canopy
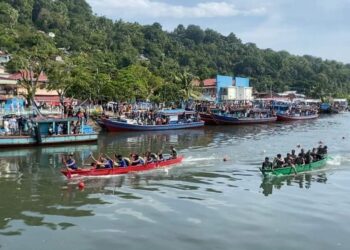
point(170, 112)
point(340, 100)
point(61, 120)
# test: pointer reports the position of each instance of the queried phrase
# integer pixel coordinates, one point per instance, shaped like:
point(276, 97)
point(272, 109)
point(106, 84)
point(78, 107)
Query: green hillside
point(120, 60)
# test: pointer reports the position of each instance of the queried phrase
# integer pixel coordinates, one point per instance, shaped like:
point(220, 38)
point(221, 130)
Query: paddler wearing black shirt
point(267, 164)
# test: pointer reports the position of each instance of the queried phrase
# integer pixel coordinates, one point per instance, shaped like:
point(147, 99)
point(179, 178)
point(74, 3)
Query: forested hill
point(113, 46)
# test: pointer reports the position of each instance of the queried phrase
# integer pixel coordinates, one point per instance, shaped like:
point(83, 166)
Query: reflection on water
point(39, 197)
point(9, 170)
point(185, 203)
point(301, 181)
point(159, 140)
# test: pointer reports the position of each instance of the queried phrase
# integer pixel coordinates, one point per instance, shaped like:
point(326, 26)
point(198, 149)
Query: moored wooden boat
point(119, 171)
point(117, 126)
point(229, 120)
point(244, 116)
point(176, 119)
point(207, 118)
point(286, 117)
point(45, 132)
point(298, 168)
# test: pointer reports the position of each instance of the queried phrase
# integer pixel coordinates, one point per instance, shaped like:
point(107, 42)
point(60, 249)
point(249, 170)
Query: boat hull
point(120, 171)
point(207, 118)
point(15, 141)
point(298, 168)
point(286, 118)
point(23, 141)
point(117, 126)
point(60, 139)
point(226, 120)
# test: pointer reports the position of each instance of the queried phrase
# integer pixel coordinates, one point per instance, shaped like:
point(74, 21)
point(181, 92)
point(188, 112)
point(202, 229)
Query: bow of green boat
point(285, 171)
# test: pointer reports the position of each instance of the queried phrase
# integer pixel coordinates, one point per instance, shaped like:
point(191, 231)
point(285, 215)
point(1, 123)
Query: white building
point(7, 86)
point(235, 93)
point(4, 57)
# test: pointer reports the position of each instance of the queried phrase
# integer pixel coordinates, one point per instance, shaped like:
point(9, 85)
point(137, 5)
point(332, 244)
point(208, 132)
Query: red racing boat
point(119, 171)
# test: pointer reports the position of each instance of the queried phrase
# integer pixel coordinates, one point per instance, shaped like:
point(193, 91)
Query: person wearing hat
point(267, 164)
point(70, 163)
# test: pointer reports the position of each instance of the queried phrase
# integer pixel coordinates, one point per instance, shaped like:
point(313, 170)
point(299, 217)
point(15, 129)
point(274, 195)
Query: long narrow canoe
point(299, 168)
point(120, 171)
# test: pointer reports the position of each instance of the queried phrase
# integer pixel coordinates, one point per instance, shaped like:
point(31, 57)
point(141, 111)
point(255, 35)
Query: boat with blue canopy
point(21, 131)
point(169, 119)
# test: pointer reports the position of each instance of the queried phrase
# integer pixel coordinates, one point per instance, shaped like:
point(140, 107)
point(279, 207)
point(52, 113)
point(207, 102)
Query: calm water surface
point(204, 203)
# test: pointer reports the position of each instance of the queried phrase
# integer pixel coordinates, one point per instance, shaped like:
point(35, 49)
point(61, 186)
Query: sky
point(311, 27)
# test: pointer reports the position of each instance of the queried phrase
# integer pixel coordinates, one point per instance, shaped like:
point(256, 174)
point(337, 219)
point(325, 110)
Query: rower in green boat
point(304, 162)
point(278, 162)
point(267, 164)
point(300, 160)
point(293, 155)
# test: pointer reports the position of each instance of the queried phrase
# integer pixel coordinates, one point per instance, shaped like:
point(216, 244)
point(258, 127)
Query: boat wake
point(194, 159)
point(336, 160)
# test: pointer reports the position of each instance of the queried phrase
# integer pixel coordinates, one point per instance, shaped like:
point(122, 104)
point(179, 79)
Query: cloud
point(312, 27)
point(157, 9)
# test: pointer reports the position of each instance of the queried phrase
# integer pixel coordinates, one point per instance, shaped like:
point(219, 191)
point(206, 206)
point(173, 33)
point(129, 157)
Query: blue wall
point(242, 82)
point(222, 82)
point(13, 103)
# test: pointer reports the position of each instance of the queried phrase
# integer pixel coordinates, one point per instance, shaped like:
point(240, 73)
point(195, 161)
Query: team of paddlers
point(293, 159)
point(106, 162)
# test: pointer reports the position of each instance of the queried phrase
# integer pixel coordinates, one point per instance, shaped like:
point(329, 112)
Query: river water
point(204, 203)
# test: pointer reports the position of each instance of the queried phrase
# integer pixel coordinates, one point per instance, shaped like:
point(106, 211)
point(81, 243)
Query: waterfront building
point(9, 87)
point(226, 88)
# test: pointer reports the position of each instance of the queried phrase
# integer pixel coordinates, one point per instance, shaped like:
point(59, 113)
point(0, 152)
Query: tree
point(112, 48)
point(188, 89)
point(8, 15)
point(137, 83)
point(60, 77)
point(32, 64)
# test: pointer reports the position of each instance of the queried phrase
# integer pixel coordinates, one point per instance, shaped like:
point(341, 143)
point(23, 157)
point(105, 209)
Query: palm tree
point(188, 89)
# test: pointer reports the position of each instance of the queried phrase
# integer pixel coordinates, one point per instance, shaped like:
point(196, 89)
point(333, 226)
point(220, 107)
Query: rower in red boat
point(150, 158)
point(160, 156)
point(121, 162)
point(121, 169)
point(102, 162)
point(111, 162)
point(70, 163)
point(173, 152)
point(136, 160)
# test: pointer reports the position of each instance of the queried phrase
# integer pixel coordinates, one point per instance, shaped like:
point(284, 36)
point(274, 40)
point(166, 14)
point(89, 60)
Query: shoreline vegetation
point(86, 56)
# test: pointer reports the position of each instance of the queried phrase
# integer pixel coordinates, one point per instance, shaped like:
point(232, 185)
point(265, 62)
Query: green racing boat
point(296, 170)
